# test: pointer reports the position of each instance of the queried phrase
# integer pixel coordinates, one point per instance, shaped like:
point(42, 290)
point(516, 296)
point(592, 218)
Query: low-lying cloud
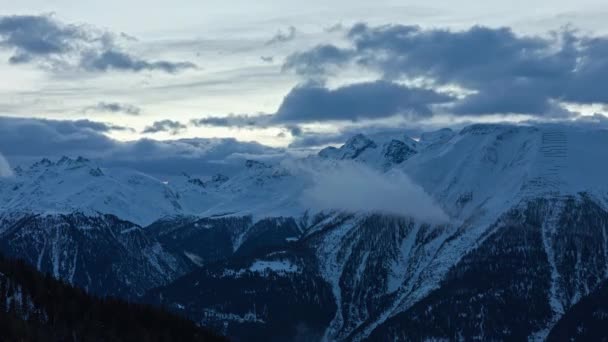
point(354, 187)
point(5, 168)
point(26, 140)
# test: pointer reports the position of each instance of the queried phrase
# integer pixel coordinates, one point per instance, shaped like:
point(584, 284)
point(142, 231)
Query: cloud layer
point(235, 120)
point(5, 168)
point(424, 73)
point(27, 140)
point(53, 45)
point(314, 103)
point(356, 188)
point(168, 126)
point(115, 107)
point(504, 72)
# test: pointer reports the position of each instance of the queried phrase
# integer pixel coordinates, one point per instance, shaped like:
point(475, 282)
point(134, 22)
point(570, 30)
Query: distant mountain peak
point(255, 164)
point(357, 144)
point(63, 161)
point(44, 162)
point(353, 147)
point(441, 135)
point(396, 152)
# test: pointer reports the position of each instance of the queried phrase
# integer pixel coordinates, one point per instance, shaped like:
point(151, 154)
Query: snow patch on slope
point(276, 266)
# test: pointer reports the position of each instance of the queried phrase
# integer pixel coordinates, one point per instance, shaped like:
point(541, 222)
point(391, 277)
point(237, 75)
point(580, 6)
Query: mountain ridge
point(375, 268)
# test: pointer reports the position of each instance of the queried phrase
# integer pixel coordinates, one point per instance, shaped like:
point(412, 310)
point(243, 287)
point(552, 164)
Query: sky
point(289, 74)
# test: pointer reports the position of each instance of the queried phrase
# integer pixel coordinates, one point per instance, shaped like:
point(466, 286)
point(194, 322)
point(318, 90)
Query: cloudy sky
point(296, 74)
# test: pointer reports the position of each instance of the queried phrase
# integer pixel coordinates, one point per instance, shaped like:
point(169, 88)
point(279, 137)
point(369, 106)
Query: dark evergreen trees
point(35, 307)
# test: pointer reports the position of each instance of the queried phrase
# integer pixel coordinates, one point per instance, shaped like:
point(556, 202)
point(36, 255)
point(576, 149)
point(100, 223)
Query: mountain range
point(493, 232)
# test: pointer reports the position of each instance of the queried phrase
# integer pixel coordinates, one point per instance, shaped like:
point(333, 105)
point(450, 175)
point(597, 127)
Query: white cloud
point(5, 168)
point(354, 187)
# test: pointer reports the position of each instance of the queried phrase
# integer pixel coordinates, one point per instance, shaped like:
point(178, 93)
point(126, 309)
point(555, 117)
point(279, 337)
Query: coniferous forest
point(37, 307)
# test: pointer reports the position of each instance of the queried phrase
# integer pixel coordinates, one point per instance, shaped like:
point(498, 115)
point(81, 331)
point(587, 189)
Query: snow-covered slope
point(69, 185)
point(468, 169)
point(78, 185)
point(527, 198)
point(491, 180)
point(461, 171)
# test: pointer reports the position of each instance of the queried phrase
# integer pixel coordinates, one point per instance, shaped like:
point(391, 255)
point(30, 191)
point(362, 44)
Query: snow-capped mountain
point(492, 232)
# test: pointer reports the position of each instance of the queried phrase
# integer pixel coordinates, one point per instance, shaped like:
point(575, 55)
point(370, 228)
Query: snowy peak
point(379, 152)
point(351, 149)
point(214, 182)
point(63, 162)
point(45, 162)
point(396, 152)
point(481, 167)
point(495, 166)
point(487, 129)
point(78, 185)
point(440, 136)
point(356, 145)
point(256, 165)
point(62, 165)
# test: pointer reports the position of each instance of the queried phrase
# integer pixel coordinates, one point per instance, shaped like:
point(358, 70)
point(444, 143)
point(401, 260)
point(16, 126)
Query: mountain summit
point(492, 232)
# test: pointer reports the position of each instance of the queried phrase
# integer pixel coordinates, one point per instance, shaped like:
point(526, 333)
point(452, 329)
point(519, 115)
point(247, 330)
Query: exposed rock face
point(351, 149)
point(524, 245)
point(102, 254)
point(396, 152)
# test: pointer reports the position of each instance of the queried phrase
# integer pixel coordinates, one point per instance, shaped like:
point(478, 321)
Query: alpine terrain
point(493, 232)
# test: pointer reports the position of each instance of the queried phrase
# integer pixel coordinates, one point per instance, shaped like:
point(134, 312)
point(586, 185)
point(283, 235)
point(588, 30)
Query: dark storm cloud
point(35, 137)
point(236, 121)
point(96, 126)
point(58, 46)
point(169, 126)
point(295, 131)
point(115, 107)
point(317, 61)
point(374, 100)
point(508, 73)
point(315, 140)
point(27, 140)
point(315, 103)
point(117, 60)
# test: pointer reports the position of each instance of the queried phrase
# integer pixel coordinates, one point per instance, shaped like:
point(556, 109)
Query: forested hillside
point(36, 307)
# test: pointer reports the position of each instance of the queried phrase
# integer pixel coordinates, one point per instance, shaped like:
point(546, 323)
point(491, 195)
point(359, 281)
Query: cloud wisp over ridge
point(25, 140)
point(354, 187)
point(5, 168)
